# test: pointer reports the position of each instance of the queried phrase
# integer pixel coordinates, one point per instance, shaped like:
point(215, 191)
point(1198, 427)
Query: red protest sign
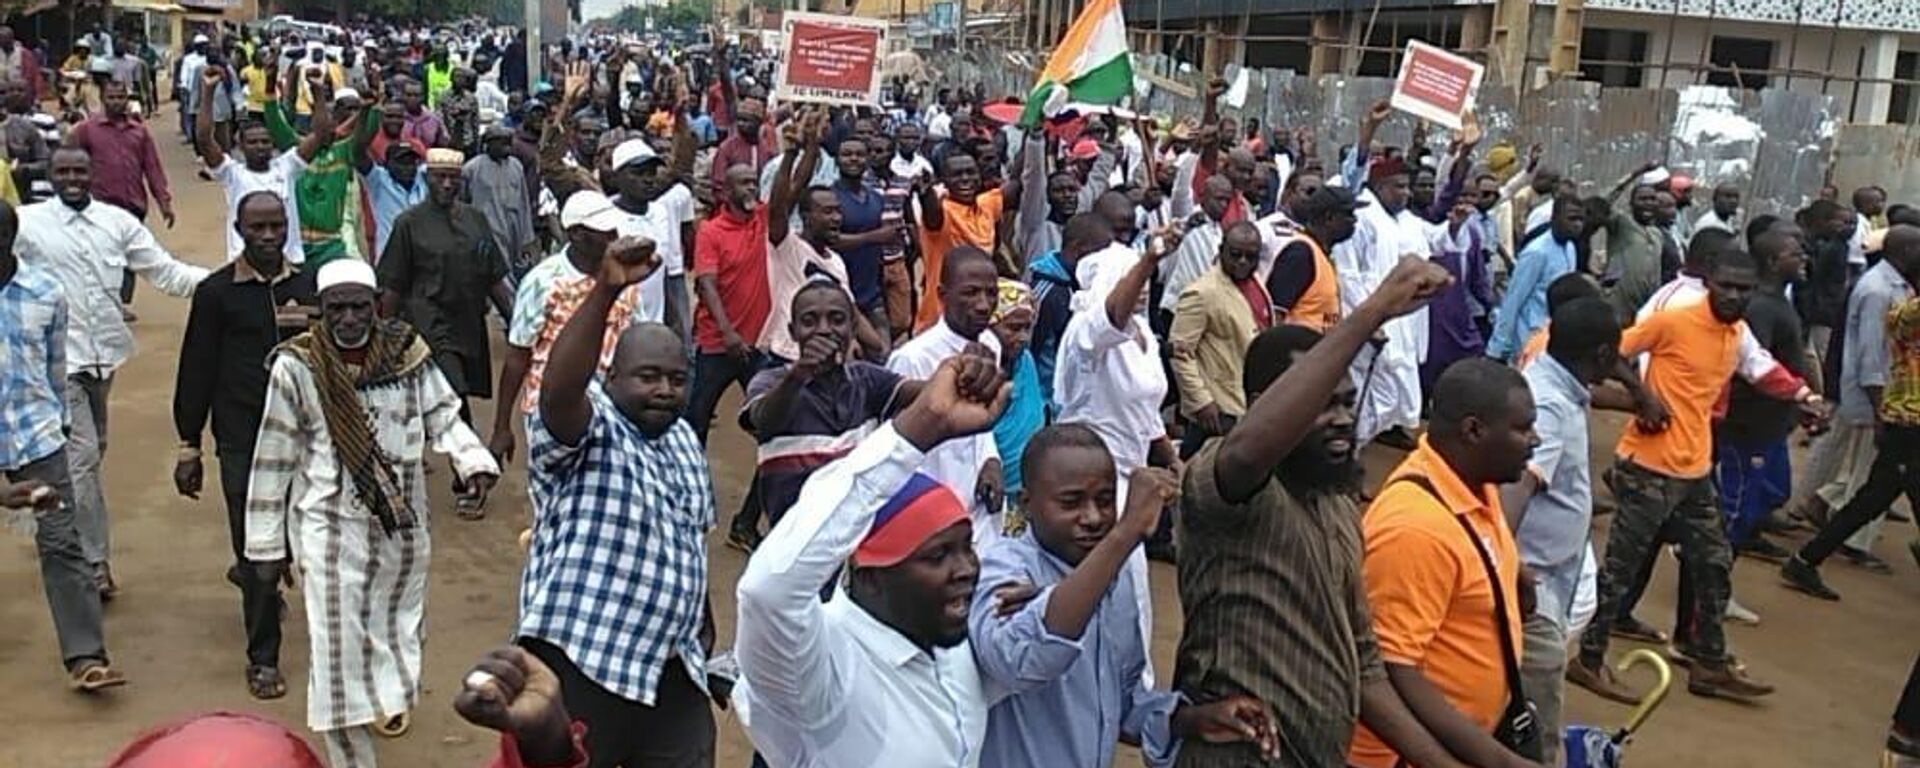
point(830, 59)
point(1435, 84)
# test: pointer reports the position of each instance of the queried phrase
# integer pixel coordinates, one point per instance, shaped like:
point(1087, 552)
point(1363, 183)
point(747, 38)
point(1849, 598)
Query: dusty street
point(175, 630)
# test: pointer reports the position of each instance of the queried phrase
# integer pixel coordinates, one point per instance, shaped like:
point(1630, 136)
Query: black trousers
point(259, 593)
point(1896, 471)
point(676, 732)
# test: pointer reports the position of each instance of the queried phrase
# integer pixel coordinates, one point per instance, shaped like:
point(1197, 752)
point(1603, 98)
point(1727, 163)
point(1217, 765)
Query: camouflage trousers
point(1686, 511)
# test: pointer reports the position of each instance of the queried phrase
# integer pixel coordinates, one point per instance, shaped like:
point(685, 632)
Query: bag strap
point(1507, 652)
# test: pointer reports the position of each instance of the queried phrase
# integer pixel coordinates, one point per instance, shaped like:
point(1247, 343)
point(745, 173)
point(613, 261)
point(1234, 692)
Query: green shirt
point(325, 195)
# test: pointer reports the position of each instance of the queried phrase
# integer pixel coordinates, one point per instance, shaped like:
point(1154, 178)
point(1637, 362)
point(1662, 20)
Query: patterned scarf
point(394, 351)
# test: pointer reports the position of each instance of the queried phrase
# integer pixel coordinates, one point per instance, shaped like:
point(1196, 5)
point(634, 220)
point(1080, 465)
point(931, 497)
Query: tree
point(680, 14)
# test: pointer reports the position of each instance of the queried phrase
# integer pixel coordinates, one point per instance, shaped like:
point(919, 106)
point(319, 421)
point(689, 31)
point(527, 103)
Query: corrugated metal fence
point(1777, 145)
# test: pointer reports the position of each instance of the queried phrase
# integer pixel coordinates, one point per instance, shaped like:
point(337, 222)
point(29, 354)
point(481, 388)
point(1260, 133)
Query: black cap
point(1327, 200)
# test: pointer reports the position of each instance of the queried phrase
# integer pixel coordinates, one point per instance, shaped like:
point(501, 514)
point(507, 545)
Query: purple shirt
point(426, 127)
point(125, 163)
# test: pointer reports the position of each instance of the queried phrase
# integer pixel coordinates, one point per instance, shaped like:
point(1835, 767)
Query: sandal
point(393, 727)
point(469, 508)
point(95, 676)
point(1639, 632)
point(264, 682)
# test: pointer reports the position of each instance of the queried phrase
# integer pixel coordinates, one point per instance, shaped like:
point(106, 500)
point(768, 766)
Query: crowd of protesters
point(990, 369)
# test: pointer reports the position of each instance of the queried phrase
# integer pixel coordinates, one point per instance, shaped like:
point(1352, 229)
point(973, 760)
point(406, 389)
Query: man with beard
point(1302, 283)
point(1216, 318)
point(881, 674)
point(352, 407)
point(240, 313)
point(83, 244)
point(1270, 551)
point(964, 216)
point(730, 277)
point(1389, 377)
point(614, 596)
point(1070, 660)
point(1443, 572)
point(1523, 310)
point(970, 468)
point(1663, 480)
point(438, 272)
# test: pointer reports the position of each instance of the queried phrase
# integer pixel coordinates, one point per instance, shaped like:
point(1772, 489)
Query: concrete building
point(1864, 53)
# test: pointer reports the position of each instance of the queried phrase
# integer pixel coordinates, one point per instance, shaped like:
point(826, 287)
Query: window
point(1902, 103)
point(1739, 62)
point(1297, 56)
point(1613, 57)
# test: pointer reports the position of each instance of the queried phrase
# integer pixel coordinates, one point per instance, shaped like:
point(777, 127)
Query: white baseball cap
point(632, 151)
point(589, 209)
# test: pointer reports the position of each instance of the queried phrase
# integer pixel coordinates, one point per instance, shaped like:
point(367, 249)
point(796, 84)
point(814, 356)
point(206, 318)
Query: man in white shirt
point(659, 213)
point(1388, 377)
point(969, 467)
point(85, 246)
point(882, 674)
point(1724, 215)
point(260, 168)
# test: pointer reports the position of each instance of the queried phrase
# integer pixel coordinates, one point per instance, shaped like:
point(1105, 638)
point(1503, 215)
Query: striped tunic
point(366, 591)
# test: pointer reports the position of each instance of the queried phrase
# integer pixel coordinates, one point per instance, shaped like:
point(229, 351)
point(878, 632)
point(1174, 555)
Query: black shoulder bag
point(1519, 726)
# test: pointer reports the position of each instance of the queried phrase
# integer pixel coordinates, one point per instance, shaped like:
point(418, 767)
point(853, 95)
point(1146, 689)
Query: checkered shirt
point(33, 368)
point(617, 576)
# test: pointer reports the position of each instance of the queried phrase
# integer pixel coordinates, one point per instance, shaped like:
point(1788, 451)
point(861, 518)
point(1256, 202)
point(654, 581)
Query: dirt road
point(176, 631)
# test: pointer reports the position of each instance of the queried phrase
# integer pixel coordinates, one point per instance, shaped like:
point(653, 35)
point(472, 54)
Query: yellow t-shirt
point(304, 104)
point(256, 80)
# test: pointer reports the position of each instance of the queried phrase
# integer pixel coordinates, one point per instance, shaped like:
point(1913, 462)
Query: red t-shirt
point(1258, 301)
point(734, 251)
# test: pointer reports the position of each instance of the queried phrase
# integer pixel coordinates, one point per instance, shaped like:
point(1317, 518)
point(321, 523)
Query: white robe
point(1390, 385)
point(365, 590)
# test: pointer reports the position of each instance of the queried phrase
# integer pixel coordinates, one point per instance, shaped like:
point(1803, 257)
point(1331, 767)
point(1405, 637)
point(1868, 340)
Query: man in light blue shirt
point(1072, 657)
point(1524, 308)
point(400, 183)
point(1551, 507)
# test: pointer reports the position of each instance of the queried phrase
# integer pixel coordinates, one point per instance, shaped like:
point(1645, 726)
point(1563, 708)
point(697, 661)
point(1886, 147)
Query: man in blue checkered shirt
point(33, 449)
point(614, 596)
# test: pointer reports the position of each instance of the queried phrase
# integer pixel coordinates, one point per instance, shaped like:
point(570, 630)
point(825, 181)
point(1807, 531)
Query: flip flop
point(469, 508)
point(96, 676)
point(393, 727)
point(264, 683)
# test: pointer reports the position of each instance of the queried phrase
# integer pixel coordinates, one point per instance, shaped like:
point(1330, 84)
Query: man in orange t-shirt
point(964, 216)
point(1429, 588)
point(1663, 475)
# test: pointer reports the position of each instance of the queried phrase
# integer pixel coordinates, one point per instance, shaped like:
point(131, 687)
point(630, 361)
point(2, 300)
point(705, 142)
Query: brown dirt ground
point(175, 631)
